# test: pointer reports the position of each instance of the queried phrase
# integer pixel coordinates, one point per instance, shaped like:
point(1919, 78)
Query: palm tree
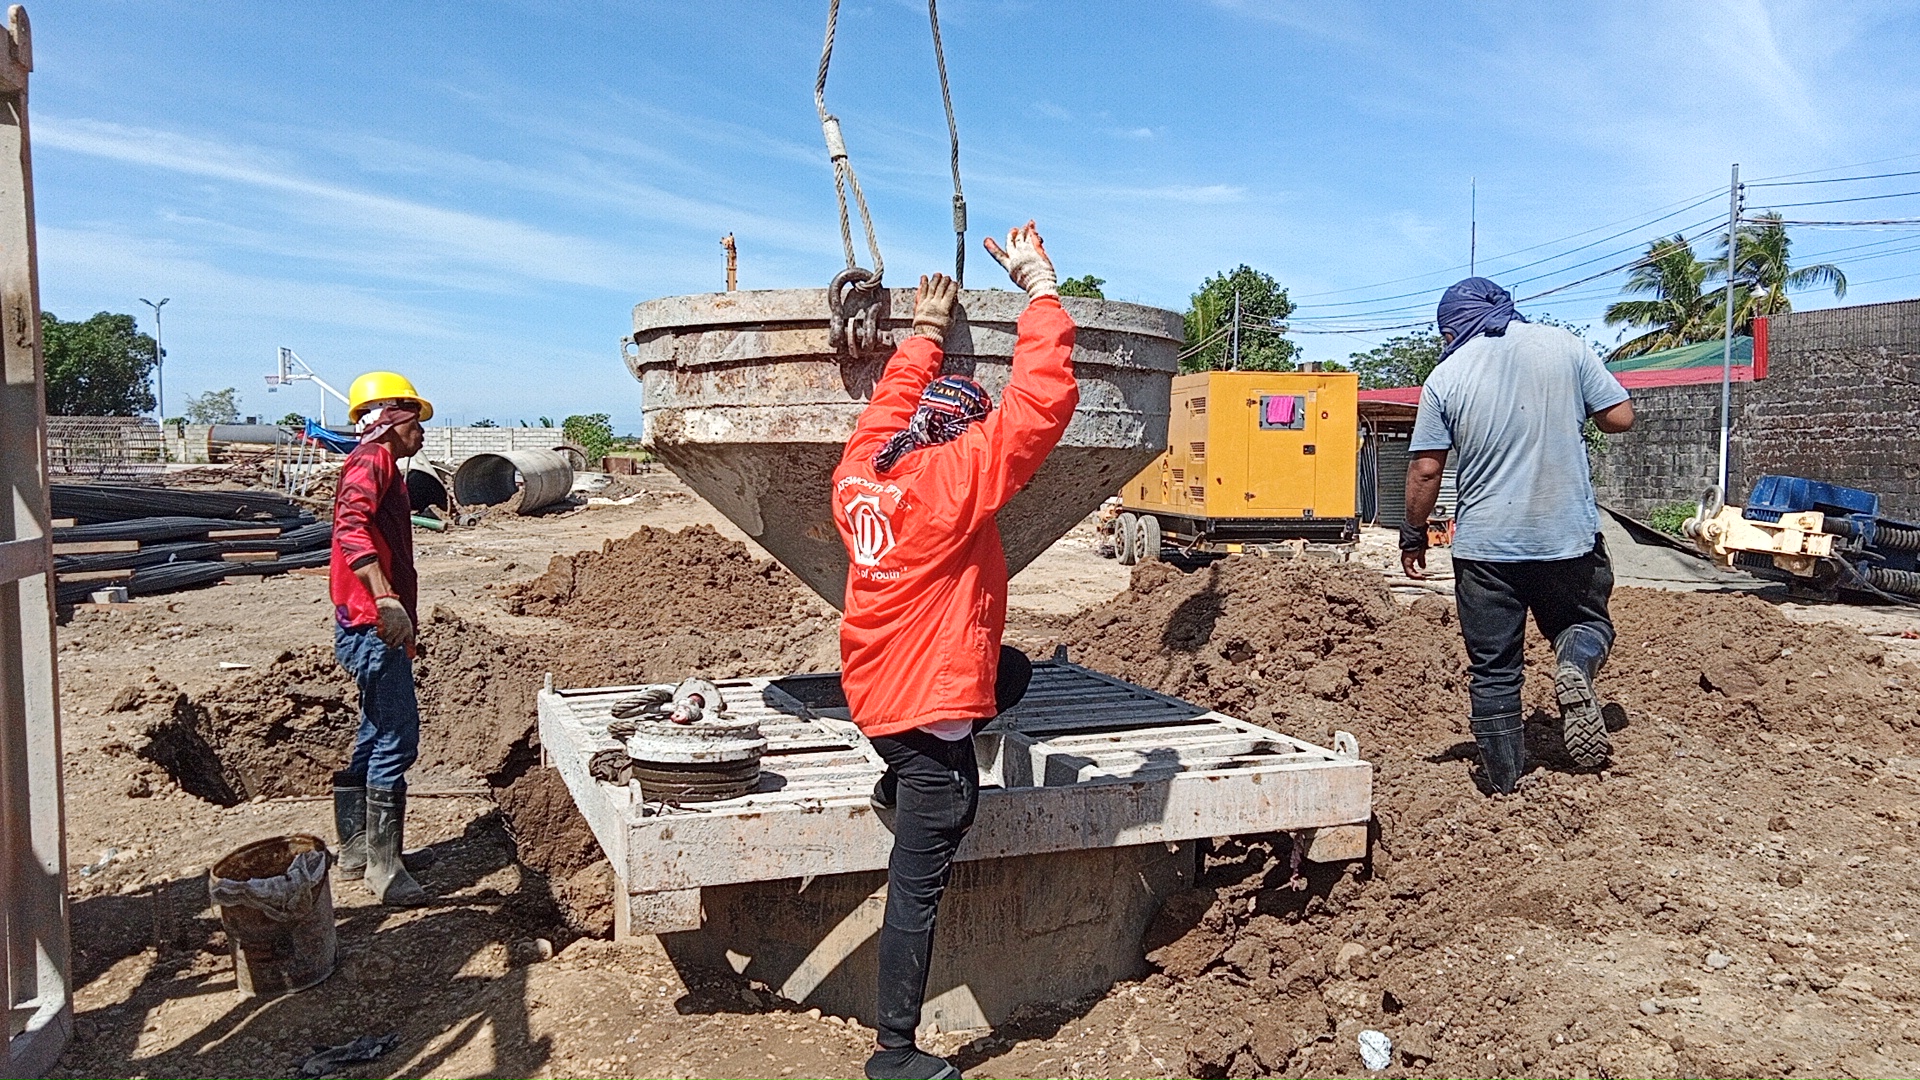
point(1761, 265)
point(1679, 313)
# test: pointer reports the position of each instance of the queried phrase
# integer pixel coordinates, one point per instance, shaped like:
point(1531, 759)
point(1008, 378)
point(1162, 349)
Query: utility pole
point(159, 354)
point(1234, 363)
point(733, 262)
point(1473, 227)
point(1726, 347)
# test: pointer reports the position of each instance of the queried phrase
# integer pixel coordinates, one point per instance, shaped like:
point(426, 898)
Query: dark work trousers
point(939, 791)
point(1494, 598)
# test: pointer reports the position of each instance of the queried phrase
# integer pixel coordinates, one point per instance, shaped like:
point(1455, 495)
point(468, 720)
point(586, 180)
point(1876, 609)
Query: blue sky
point(477, 193)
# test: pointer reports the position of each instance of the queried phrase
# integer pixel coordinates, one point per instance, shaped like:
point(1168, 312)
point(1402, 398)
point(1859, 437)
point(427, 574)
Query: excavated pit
point(657, 606)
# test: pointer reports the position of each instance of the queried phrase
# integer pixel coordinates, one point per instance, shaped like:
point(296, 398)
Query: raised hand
point(1026, 261)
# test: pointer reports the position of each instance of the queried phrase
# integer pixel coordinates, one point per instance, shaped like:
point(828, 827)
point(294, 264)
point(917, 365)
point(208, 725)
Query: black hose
point(1900, 582)
point(1896, 538)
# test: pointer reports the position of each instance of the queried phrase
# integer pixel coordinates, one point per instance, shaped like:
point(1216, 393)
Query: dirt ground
point(1733, 896)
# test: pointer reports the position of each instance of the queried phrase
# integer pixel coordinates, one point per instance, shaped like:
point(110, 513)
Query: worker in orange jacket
point(929, 465)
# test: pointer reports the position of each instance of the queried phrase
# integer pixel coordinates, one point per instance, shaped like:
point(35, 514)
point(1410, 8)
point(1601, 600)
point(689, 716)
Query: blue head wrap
point(1473, 307)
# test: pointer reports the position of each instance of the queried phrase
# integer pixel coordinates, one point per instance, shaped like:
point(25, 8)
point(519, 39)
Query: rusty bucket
point(278, 919)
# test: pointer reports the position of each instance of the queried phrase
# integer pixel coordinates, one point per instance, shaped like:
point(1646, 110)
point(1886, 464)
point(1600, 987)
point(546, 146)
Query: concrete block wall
point(1673, 451)
point(454, 445)
point(1841, 402)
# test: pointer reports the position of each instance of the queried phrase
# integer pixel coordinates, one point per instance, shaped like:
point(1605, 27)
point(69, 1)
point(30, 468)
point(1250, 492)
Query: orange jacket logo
point(871, 530)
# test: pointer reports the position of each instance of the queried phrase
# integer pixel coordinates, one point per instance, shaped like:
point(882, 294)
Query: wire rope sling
point(855, 300)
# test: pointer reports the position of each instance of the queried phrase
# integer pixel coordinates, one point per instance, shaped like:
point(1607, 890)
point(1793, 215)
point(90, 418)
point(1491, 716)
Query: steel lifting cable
point(854, 298)
point(953, 140)
point(843, 175)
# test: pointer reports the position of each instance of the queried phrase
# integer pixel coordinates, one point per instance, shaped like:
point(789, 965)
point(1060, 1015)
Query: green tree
point(1086, 285)
point(1763, 271)
point(592, 433)
point(483, 422)
point(214, 407)
point(1679, 313)
point(293, 419)
point(546, 421)
point(98, 367)
point(1403, 361)
point(1264, 308)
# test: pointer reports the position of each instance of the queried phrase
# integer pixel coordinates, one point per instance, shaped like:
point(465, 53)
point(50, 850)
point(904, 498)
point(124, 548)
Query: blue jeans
point(389, 738)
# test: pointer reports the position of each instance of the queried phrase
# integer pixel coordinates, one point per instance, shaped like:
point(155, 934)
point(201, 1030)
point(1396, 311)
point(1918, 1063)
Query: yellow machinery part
point(1251, 445)
point(1797, 542)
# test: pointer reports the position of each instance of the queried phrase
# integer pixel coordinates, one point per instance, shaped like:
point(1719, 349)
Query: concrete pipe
point(528, 479)
point(427, 487)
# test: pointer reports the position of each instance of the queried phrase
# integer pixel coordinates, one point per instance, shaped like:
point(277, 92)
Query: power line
point(1708, 224)
point(1831, 224)
point(1834, 179)
point(1834, 168)
point(1691, 201)
point(1536, 262)
point(1830, 202)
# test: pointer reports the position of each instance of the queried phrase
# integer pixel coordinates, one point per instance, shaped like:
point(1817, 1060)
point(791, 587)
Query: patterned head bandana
point(378, 421)
point(947, 406)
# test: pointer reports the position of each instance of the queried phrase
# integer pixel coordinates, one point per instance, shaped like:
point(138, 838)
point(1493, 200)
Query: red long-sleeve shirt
point(926, 599)
point(372, 521)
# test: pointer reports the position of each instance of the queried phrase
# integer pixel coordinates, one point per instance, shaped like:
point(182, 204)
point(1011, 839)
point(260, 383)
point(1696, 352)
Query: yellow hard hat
point(378, 386)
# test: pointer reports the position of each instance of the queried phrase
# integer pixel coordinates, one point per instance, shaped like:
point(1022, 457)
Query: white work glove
point(1025, 258)
point(933, 306)
point(395, 626)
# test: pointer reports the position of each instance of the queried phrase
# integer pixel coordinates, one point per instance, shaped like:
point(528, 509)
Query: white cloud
point(503, 245)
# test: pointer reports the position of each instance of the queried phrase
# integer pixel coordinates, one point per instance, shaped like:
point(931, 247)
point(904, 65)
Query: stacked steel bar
point(156, 540)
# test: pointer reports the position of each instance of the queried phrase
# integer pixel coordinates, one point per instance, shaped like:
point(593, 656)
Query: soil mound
point(1660, 916)
point(693, 578)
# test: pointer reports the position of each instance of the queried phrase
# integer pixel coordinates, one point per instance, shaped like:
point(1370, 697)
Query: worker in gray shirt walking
point(1509, 398)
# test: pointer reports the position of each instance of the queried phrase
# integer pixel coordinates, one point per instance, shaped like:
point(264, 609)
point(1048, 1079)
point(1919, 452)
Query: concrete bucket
point(745, 400)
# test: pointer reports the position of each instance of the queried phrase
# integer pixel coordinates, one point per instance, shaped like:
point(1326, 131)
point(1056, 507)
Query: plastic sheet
point(283, 898)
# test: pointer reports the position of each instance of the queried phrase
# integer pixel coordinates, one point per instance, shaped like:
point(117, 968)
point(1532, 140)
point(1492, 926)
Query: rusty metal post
point(32, 827)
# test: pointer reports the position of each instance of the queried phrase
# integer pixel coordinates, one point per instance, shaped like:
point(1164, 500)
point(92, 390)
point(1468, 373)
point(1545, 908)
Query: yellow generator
point(1252, 458)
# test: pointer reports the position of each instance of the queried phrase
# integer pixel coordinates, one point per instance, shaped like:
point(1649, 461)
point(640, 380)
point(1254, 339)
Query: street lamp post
point(159, 374)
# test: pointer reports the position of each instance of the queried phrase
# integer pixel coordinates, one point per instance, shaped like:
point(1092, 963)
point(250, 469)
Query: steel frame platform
point(1084, 761)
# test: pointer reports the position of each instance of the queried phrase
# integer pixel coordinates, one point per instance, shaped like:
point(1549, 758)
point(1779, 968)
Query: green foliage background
point(99, 367)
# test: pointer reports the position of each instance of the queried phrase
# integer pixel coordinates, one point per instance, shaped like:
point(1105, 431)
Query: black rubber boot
point(1581, 650)
point(909, 1063)
point(1503, 749)
point(387, 874)
point(350, 825)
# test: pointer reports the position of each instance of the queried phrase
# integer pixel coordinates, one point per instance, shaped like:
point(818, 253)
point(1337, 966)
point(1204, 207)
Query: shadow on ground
point(439, 975)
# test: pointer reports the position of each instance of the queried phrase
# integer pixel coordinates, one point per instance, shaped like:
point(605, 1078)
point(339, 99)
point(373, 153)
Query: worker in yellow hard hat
point(375, 593)
point(381, 388)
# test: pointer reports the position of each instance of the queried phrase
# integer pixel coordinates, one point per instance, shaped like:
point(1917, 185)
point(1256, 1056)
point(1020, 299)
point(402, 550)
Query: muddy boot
point(350, 825)
point(1581, 650)
point(1503, 749)
point(387, 875)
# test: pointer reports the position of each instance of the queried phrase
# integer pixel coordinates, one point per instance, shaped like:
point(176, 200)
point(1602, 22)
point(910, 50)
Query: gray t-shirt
point(1511, 408)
